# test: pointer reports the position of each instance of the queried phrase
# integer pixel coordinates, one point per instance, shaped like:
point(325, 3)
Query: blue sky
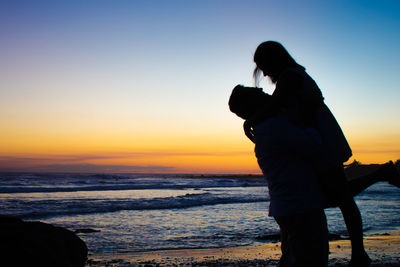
point(131, 70)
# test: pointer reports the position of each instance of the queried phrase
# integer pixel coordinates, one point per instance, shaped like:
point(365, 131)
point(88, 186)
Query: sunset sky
point(143, 86)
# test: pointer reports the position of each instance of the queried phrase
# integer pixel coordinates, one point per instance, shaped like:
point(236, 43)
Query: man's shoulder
point(273, 125)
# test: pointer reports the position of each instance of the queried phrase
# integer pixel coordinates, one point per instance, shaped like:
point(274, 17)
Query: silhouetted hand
point(248, 130)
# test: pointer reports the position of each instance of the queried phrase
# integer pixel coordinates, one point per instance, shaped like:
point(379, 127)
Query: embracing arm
point(279, 136)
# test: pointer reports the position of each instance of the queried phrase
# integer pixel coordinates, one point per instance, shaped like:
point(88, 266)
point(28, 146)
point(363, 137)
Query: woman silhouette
point(300, 97)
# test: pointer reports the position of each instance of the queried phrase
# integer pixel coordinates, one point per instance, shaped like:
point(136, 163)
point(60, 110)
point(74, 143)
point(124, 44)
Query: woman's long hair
point(276, 57)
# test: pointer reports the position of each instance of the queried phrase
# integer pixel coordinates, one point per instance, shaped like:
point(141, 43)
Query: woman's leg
point(385, 173)
point(352, 218)
point(337, 192)
point(351, 213)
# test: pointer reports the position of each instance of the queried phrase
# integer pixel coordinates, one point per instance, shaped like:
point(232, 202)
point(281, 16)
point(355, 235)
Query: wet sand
point(384, 250)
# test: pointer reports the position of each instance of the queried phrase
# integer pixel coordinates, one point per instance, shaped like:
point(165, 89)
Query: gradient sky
point(142, 86)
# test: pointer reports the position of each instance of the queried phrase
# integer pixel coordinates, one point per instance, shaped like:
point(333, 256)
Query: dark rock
point(39, 244)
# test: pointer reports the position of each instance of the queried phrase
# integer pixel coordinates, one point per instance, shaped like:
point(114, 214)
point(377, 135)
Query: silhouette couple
point(300, 149)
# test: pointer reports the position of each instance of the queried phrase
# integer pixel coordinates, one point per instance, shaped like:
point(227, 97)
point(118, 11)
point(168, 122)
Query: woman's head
point(272, 59)
point(246, 101)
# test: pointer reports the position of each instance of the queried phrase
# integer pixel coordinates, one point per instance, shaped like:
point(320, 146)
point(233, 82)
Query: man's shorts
point(334, 186)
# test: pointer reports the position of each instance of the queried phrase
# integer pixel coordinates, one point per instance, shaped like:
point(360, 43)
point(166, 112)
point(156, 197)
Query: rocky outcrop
point(39, 244)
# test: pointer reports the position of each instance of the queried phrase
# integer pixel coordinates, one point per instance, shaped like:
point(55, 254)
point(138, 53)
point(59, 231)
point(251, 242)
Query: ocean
point(145, 212)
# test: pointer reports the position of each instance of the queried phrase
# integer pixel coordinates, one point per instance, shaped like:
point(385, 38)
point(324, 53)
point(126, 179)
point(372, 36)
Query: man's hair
point(246, 101)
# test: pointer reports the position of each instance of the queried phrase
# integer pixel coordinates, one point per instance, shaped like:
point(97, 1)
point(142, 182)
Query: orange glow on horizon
point(193, 151)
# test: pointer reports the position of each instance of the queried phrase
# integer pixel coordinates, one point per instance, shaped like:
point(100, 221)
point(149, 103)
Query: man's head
point(247, 101)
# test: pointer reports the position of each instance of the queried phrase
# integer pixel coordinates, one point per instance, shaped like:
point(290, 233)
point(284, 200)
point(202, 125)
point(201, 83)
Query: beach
point(384, 250)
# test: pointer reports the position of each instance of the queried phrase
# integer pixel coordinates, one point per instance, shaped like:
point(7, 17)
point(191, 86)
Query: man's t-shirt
point(285, 154)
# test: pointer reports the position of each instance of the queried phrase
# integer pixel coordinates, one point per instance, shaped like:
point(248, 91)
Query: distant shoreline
point(352, 170)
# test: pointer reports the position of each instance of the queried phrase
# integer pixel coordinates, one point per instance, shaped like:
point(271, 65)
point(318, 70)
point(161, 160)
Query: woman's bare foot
point(362, 260)
point(389, 172)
